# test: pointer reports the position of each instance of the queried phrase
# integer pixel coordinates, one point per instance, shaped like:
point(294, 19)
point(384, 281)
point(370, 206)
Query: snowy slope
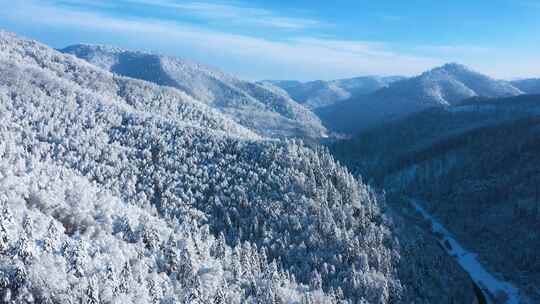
point(115, 190)
point(265, 111)
point(439, 87)
point(529, 86)
point(316, 94)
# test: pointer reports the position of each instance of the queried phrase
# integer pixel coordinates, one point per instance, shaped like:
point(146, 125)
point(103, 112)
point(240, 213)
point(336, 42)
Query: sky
point(299, 39)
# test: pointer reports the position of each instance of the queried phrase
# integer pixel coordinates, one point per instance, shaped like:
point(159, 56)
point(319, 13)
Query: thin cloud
point(300, 58)
point(454, 49)
point(242, 14)
point(221, 12)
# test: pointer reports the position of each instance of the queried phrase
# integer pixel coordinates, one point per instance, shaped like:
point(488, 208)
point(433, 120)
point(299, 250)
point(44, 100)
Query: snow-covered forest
point(114, 190)
point(259, 107)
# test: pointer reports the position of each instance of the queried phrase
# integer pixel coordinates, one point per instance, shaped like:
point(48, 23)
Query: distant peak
point(454, 67)
point(95, 48)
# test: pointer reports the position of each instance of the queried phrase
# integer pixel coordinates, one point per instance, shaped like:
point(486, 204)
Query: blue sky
point(299, 39)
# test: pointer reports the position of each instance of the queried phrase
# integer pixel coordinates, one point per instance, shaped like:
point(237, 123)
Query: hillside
point(474, 166)
point(252, 105)
point(439, 87)
point(529, 86)
point(316, 94)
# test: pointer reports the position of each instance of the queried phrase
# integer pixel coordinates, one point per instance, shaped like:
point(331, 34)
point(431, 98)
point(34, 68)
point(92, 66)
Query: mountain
point(439, 87)
point(475, 167)
point(265, 111)
point(316, 94)
point(529, 86)
point(117, 190)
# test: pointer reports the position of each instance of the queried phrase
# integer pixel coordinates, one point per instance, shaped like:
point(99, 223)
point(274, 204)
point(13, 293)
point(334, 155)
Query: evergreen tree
point(25, 248)
point(92, 292)
point(79, 259)
point(125, 278)
point(51, 238)
point(4, 238)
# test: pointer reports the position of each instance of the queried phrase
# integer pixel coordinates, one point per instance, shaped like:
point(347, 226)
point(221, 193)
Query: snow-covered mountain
point(263, 110)
point(116, 190)
point(529, 86)
point(316, 94)
point(439, 87)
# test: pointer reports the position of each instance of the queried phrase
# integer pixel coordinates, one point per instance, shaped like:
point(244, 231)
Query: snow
point(440, 87)
point(256, 106)
point(469, 262)
point(319, 93)
point(138, 193)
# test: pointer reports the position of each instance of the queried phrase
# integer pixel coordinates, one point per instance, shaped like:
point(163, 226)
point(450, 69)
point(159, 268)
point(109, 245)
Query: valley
point(475, 175)
point(493, 290)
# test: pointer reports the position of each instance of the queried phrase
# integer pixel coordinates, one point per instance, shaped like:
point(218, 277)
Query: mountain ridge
point(529, 86)
point(254, 106)
point(439, 87)
point(319, 93)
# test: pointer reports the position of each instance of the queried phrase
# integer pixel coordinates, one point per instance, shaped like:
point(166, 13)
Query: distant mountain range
point(258, 107)
point(316, 94)
point(440, 87)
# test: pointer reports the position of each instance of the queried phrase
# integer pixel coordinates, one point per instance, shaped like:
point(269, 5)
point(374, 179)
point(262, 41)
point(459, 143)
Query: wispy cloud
point(293, 57)
point(226, 12)
point(454, 49)
point(237, 12)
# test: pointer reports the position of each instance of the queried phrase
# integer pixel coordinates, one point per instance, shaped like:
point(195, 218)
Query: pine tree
point(154, 291)
point(66, 249)
point(220, 247)
point(112, 280)
point(194, 294)
point(170, 255)
point(4, 238)
point(51, 239)
point(316, 280)
point(79, 259)
point(28, 226)
point(6, 220)
point(25, 249)
point(220, 297)
point(5, 214)
point(20, 277)
point(92, 292)
point(307, 298)
point(186, 273)
point(150, 238)
point(125, 279)
point(125, 227)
